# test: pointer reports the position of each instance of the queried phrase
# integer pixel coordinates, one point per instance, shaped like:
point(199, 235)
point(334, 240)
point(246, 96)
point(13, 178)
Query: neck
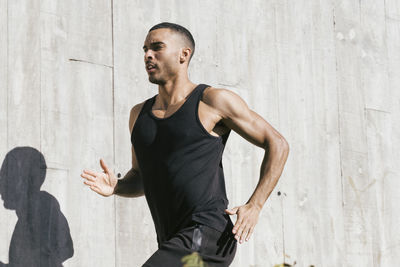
point(174, 91)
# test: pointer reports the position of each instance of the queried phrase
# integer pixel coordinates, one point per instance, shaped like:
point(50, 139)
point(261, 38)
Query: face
point(162, 55)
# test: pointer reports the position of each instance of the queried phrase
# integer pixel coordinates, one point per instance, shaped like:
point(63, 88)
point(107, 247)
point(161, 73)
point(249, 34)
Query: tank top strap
point(199, 92)
point(147, 105)
point(192, 103)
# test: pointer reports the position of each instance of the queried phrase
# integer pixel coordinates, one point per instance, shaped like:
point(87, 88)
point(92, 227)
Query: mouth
point(150, 67)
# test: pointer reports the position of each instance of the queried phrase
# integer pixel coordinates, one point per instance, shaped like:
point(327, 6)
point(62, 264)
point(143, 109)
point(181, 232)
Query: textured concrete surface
point(325, 74)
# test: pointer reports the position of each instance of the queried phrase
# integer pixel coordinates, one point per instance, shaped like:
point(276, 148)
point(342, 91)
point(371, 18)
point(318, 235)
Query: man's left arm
point(236, 115)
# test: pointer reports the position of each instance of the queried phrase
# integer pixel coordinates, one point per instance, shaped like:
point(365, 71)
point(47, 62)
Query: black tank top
point(181, 166)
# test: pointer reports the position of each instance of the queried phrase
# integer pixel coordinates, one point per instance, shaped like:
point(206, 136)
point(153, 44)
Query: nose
point(148, 55)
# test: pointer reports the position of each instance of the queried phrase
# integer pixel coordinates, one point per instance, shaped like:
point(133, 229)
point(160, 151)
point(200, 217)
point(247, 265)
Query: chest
point(208, 117)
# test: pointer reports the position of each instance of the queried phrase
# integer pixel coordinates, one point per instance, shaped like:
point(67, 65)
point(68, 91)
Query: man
point(178, 137)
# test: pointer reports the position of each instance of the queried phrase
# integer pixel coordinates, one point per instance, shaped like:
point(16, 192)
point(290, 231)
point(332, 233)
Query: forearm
point(130, 185)
point(271, 169)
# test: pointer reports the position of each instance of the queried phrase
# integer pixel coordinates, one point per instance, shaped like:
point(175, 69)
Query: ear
point(185, 54)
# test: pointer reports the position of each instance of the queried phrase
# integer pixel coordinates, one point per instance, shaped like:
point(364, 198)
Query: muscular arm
point(234, 113)
point(131, 184)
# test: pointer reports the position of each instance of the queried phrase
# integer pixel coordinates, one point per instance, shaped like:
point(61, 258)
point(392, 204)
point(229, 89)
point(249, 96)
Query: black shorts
point(196, 245)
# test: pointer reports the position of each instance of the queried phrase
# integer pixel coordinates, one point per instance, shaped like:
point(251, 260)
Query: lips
point(151, 70)
point(150, 67)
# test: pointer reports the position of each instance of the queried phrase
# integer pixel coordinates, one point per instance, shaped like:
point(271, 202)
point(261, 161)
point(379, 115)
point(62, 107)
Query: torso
point(179, 155)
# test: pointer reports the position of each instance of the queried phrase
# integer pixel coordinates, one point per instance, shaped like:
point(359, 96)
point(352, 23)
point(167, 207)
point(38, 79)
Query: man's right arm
point(131, 185)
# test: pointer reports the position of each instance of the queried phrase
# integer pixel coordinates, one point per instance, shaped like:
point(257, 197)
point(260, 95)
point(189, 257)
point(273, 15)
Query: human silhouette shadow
point(41, 235)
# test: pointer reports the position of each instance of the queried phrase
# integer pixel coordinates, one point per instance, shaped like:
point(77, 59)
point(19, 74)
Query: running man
point(178, 137)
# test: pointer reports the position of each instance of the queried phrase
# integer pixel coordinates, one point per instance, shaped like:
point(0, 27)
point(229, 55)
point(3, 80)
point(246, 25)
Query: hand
point(247, 218)
point(101, 183)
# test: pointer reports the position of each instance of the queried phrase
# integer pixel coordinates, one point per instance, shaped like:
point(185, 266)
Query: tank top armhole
point(200, 98)
point(142, 111)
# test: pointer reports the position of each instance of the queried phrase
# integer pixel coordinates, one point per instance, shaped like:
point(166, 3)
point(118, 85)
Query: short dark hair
point(179, 29)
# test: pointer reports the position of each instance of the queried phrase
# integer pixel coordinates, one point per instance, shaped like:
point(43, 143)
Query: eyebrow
point(153, 44)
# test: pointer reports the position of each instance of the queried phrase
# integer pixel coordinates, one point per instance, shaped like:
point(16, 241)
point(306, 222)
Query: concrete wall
point(326, 74)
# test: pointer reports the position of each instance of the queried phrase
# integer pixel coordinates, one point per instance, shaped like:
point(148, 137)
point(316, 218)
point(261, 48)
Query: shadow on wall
point(41, 236)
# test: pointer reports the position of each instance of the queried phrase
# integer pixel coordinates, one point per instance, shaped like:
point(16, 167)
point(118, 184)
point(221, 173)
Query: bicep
point(239, 117)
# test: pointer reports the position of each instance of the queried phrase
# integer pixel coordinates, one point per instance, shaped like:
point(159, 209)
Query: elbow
point(284, 144)
point(279, 144)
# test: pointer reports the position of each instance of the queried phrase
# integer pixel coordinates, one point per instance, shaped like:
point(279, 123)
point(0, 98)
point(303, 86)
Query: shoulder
point(134, 113)
point(225, 101)
point(135, 110)
point(212, 94)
